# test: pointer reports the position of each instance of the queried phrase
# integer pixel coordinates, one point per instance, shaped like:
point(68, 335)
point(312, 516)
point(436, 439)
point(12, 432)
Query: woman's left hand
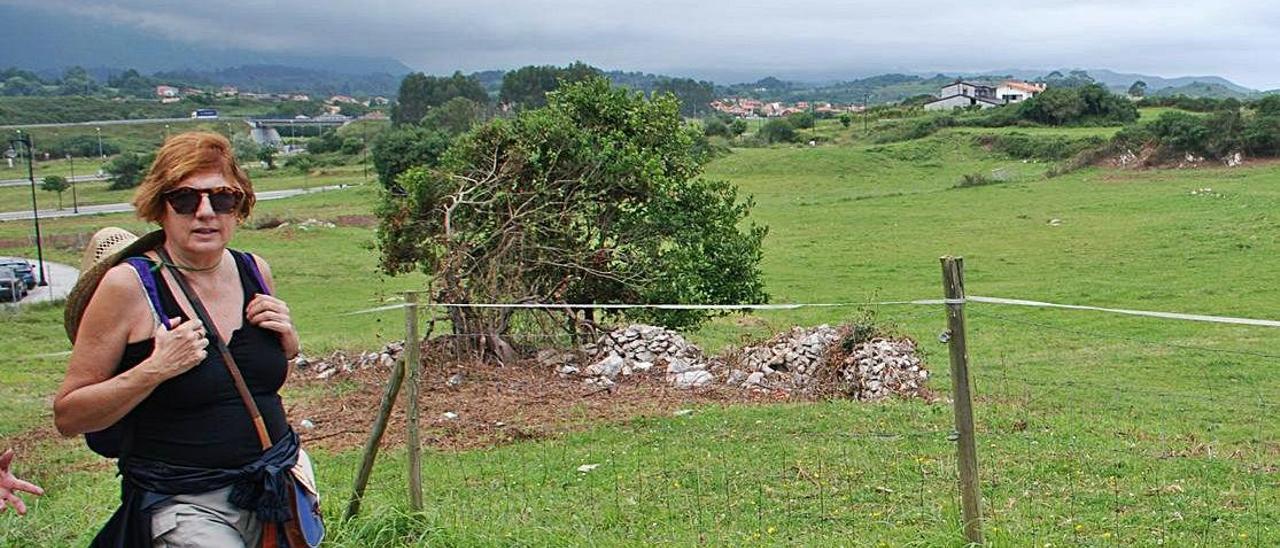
point(272, 314)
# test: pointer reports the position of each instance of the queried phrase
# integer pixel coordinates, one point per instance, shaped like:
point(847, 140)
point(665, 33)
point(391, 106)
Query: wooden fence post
point(966, 447)
point(375, 437)
point(413, 358)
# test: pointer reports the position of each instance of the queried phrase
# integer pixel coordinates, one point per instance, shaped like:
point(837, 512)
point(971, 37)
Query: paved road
point(122, 208)
point(76, 179)
point(127, 122)
point(60, 278)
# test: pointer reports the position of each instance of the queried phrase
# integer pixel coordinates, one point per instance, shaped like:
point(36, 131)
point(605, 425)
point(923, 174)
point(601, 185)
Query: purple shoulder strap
point(252, 265)
point(143, 266)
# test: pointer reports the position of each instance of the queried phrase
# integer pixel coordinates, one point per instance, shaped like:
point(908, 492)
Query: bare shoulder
point(117, 304)
point(119, 285)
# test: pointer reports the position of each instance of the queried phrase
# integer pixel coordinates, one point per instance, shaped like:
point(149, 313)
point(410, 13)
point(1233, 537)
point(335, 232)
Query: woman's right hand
point(178, 348)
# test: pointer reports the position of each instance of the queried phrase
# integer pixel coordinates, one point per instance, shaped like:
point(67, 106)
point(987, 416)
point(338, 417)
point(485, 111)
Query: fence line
point(796, 306)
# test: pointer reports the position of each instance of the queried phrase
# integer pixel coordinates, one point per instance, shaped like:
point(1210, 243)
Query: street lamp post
point(75, 206)
point(35, 215)
point(101, 156)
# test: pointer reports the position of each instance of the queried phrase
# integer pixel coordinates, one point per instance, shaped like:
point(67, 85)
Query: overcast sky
point(744, 39)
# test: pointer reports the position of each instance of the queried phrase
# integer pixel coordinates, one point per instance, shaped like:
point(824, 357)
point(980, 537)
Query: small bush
point(302, 163)
point(714, 126)
point(969, 180)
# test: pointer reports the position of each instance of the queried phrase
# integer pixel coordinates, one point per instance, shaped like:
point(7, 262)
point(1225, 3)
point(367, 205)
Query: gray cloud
point(1232, 38)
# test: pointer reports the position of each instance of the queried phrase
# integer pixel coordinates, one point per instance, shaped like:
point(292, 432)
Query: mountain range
point(46, 43)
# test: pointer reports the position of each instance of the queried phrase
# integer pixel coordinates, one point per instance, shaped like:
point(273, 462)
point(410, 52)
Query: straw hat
point(107, 248)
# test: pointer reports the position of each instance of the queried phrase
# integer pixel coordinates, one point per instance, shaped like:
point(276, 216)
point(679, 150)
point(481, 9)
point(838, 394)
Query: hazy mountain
point(46, 43)
point(1202, 89)
point(1121, 80)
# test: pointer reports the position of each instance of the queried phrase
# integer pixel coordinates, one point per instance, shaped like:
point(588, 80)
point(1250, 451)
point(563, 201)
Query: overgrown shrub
point(1181, 132)
point(915, 129)
point(778, 131)
point(1133, 137)
point(1090, 104)
point(1023, 146)
point(1261, 136)
point(801, 120)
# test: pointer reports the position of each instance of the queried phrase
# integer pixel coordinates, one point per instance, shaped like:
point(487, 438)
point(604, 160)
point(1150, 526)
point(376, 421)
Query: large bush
point(595, 198)
point(1089, 104)
point(1181, 132)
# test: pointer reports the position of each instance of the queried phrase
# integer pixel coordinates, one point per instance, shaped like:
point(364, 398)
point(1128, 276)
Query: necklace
point(157, 263)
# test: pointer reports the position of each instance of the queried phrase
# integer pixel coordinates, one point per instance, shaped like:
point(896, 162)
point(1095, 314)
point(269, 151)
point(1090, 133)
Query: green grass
point(1093, 429)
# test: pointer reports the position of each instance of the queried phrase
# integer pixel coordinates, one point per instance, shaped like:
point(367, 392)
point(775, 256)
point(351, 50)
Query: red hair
point(183, 156)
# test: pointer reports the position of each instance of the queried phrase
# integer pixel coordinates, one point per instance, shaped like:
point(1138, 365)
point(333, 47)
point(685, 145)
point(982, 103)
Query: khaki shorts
point(205, 519)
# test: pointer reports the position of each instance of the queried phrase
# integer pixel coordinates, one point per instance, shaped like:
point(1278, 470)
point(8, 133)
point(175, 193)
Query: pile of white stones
point(342, 362)
point(641, 348)
point(787, 361)
point(880, 368)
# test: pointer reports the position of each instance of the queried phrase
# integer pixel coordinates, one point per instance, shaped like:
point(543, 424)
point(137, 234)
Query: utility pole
point(75, 207)
point(865, 111)
point(364, 149)
point(35, 214)
point(101, 156)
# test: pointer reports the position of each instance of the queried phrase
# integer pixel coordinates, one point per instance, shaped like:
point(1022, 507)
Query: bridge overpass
point(266, 130)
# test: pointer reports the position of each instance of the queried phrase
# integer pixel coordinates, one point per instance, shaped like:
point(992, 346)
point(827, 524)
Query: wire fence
point(1087, 432)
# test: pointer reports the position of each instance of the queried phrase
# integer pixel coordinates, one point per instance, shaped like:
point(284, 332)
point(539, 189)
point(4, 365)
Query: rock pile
point(640, 348)
point(880, 368)
point(342, 362)
point(787, 361)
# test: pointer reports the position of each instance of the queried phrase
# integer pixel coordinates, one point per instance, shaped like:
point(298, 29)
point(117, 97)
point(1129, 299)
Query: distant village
point(959, 94)
point(741, 107)
point(333, 105)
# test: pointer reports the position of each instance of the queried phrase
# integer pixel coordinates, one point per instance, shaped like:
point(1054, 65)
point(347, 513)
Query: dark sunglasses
point(185, 201)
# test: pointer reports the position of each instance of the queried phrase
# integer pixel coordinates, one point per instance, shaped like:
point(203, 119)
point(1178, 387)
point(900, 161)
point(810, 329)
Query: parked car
point(22, 268)
point(12, 289)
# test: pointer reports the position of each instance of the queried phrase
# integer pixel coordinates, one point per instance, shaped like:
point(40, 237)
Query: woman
point(189, 445)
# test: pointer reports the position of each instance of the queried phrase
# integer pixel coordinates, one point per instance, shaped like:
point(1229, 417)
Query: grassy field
point(15, 198)
point(1093, 429)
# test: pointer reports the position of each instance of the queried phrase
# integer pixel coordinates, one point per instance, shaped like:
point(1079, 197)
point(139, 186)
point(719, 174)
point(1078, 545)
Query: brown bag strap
point(258, 424)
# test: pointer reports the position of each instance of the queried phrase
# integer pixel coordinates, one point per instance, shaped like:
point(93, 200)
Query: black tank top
point(198, 418)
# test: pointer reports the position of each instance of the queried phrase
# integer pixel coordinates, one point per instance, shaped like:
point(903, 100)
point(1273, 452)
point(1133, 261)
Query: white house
point(963, 94)
point(1013, 91)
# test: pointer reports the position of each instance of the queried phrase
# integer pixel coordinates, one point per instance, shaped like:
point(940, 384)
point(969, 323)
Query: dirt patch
point(494, 405)
point(69, 242)
point(632, 371)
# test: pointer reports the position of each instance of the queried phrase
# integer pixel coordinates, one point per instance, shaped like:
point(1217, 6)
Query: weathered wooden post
point(412, 347)
point(962, 397)
point(375, 437)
